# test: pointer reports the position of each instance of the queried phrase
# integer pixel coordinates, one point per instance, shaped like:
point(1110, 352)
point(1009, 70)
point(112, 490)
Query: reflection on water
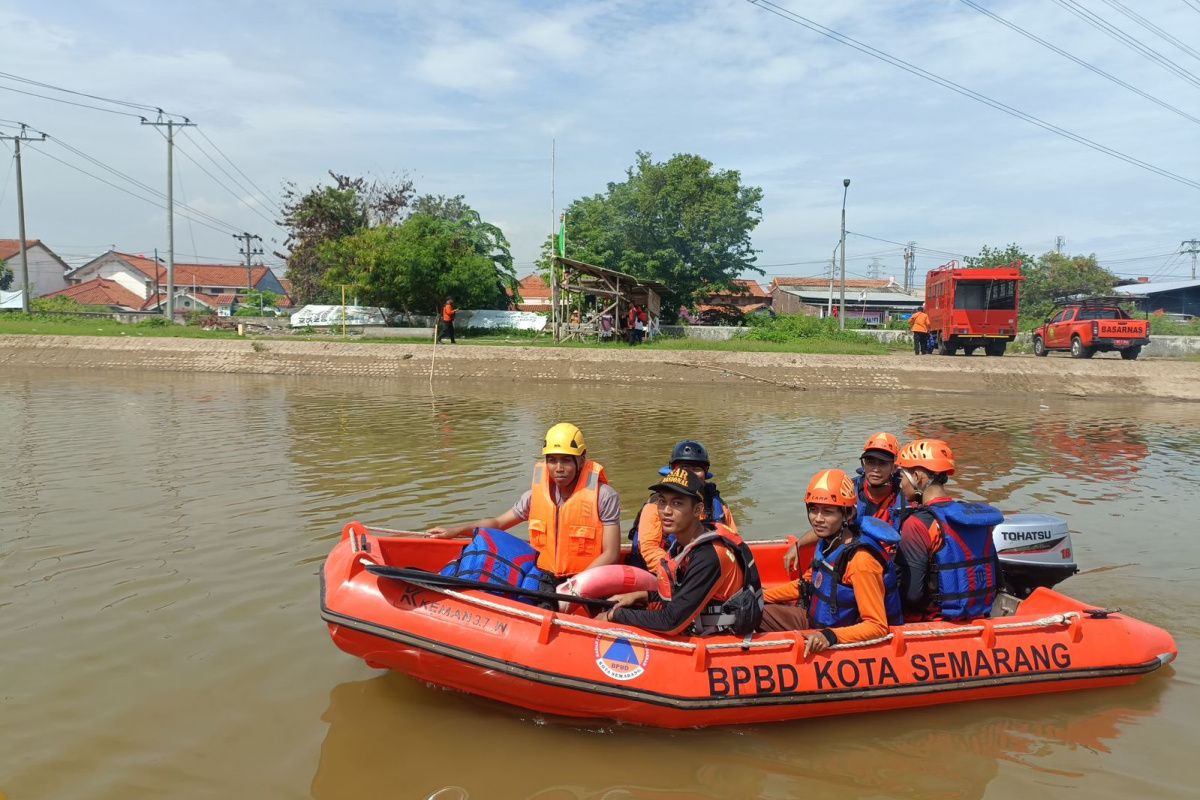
point(160, 533)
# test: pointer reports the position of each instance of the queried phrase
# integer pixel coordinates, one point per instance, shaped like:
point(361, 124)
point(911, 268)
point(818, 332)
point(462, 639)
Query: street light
point(842, 300)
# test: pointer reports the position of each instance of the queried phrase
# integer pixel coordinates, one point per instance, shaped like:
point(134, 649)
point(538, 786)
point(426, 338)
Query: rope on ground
point(784, 384)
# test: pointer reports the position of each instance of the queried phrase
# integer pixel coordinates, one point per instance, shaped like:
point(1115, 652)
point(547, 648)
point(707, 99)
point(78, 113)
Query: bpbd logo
point(619, 658)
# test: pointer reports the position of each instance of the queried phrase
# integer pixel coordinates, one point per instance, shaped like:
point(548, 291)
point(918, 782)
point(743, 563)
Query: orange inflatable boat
point(570, 665)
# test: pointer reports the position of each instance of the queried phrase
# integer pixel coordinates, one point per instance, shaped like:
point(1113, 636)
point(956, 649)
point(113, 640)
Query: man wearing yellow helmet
point(574, 515)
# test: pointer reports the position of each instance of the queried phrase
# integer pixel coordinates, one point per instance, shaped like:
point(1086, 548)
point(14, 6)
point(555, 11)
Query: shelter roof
point(611, 274)
point(820, 295)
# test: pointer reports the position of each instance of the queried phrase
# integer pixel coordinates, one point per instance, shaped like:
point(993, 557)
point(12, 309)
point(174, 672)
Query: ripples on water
point(161, 637)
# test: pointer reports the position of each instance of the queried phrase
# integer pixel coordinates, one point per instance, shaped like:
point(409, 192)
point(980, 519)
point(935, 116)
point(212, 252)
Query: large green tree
point(413, 266)
point(680, 222)
point(485, 238)
point(1046, 277)
point(328, 213)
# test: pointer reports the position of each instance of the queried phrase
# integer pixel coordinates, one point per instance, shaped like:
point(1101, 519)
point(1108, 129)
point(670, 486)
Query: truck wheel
point(995, 348)
point(1131, 353)
point(968, 351)
point(1039, 347)
point(1078, 350)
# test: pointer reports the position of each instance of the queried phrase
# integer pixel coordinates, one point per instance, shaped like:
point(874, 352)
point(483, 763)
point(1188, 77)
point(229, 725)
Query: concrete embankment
point(899, 372)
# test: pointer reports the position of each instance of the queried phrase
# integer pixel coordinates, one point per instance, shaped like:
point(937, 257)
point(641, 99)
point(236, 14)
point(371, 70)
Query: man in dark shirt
point(707, 573)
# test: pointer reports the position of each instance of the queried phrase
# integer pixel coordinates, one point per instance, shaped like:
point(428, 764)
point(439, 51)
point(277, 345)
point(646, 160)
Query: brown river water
point(160, 634)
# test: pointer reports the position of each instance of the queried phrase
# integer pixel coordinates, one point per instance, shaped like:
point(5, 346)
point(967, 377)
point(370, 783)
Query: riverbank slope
point(897, 372)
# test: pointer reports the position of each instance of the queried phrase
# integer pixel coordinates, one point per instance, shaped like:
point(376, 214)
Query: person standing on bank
point(715, 588)
point(918, 323)
point(448, 312)
point(574, 515)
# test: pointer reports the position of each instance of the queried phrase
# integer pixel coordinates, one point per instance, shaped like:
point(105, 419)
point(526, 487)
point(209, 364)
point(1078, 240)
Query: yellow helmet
point(564, 439)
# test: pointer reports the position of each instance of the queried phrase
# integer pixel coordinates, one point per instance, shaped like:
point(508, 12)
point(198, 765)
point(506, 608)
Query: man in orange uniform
point(918, 323)
point(448, 312)
point(574, 515)
point(851, 590)
point(649, 548)
point(714, 584)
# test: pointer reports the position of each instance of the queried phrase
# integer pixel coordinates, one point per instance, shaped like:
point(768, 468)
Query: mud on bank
point(1170, 380)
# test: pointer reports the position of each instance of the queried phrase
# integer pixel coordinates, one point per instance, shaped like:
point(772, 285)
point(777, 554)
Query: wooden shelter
point(611, 292)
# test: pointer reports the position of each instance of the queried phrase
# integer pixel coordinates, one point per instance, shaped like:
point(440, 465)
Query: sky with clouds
point(465, 97)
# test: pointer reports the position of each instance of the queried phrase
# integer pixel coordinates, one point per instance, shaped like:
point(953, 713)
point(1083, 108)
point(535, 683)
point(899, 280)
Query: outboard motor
point(1034, 550)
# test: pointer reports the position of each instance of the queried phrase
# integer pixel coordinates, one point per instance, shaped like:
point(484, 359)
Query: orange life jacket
point(568, 537)
point(447, 313)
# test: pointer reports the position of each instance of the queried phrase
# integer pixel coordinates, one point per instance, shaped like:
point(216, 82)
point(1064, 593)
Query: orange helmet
point(931, 454)
point(885, 442)
point(831, 487)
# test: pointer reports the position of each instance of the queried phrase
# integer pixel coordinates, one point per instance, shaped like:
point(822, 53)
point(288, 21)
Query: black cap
point(690, 450)
point(682, 482)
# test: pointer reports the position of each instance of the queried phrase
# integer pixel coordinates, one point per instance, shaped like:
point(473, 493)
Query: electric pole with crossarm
point(170, 125)
point(16, 139)
point(1190, 246)
point(249, 251)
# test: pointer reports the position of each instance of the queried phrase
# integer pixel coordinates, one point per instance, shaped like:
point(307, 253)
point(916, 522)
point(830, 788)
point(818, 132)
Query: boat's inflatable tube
point(604, 582)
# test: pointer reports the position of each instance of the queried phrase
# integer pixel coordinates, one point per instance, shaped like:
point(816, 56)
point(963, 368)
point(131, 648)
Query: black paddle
point(420, 577)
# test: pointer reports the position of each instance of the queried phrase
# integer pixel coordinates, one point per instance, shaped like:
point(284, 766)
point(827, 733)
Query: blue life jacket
point(832, 603)
point(494, 556)
point(869, 509)
point(964, 570)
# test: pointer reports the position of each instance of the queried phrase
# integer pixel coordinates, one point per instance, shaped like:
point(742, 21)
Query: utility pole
point(249, 251)
point(16, 139)
point(1190, 246)
point(170, 125)
point(832, 270)
point(842, 300)
point(910, 266)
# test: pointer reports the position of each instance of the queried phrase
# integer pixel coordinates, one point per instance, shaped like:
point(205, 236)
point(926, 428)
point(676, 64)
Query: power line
point(1104, 26)
point(1085, 64)
point(905, 244)
point(945, 83)
point(120, 188)
point(265, 196)
point(217, 181)
point(1150, 26)
point(1192, 4)
point(72, 102)
point(52, 87)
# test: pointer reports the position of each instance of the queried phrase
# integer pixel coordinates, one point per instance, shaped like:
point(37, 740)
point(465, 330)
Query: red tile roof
point(731, 309)
point(223, 275)
point(101, 292)
point(534, 287)
point(287, 285)
point(823, 280)
point(12, 247)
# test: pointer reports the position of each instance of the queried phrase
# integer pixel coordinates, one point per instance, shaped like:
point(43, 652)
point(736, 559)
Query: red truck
point(972, 308)
point(1094, 325)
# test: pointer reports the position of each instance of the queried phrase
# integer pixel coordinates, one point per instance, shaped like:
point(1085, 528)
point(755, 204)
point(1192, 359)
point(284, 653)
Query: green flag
point(562, 235)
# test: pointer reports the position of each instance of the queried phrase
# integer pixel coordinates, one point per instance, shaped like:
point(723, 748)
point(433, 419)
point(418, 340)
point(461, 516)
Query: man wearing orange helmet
point(948, 566)
point(851, 589)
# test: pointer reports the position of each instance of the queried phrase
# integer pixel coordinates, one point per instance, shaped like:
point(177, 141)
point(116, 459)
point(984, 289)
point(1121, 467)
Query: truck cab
point(1089, 326)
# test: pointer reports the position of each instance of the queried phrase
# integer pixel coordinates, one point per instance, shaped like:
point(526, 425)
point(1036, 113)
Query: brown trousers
point(778, 617)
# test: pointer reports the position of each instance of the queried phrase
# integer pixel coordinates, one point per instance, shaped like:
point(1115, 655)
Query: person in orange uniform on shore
point(715, 586)
point(650, 548)
point(918, 323)
point(448, 312)
point(851, 591)
point(574, 515)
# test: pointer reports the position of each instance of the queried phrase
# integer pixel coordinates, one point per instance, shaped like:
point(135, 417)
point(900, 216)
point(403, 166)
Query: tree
point(6, 276)
point(1055, 275)
point(996, 257)
point(486, 239)
point(413, 266)
point(679, 222)
point(254, 302)
point(327, 213)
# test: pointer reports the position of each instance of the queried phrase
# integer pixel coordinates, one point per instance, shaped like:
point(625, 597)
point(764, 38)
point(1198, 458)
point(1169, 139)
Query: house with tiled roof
point(196, 285)
point(746, 297)
point(47, 272)
point(535, 294)
point(102, 293)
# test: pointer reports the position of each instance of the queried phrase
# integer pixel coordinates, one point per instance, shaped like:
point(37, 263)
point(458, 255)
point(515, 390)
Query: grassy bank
point(816, 341)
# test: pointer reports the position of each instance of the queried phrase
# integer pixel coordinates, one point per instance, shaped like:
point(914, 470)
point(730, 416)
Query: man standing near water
point(448, 312)
point(918, 323)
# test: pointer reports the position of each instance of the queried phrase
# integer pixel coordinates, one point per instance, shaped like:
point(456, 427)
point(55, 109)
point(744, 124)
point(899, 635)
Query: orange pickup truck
point(1087, 327)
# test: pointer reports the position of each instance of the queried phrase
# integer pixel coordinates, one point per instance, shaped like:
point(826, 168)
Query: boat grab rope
point(1052, 621)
